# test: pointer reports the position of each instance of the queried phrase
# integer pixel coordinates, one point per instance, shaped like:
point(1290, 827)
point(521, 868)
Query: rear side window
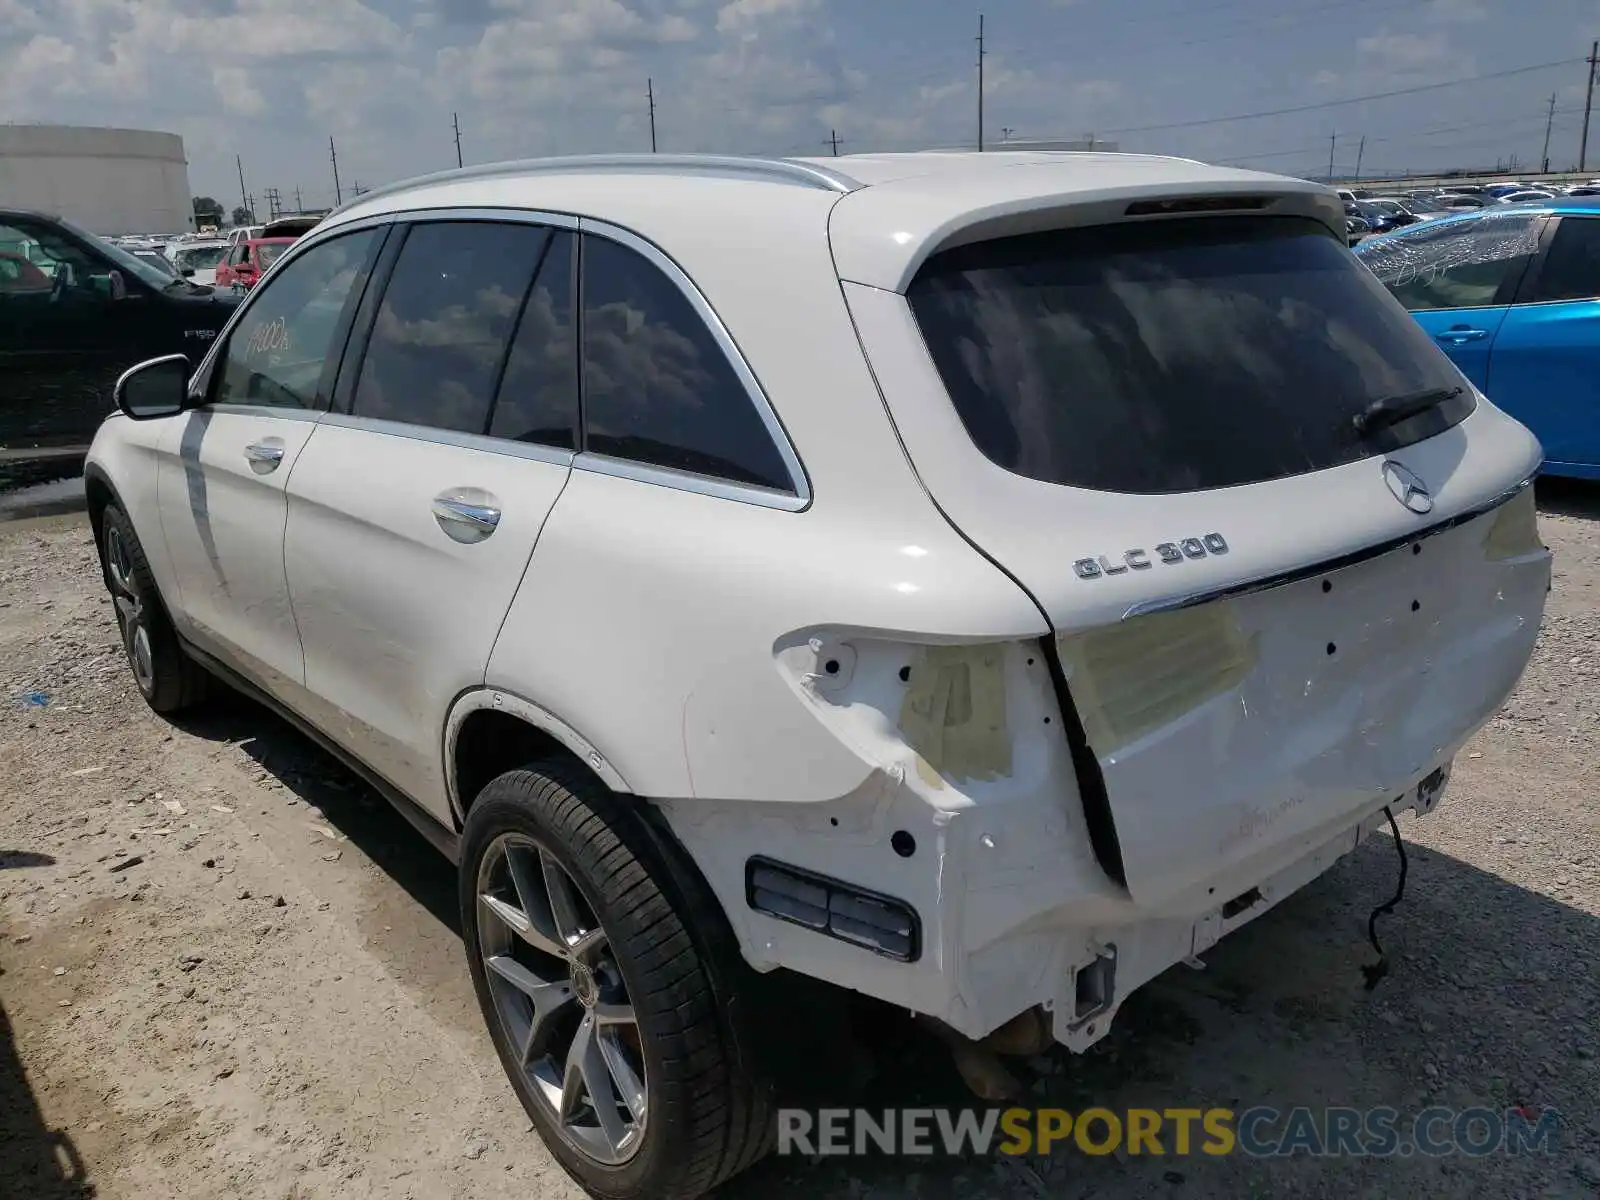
point(444, 326)
point(1571, 269)
point(658, 389)
point(1169, 356)
point(1463, 264)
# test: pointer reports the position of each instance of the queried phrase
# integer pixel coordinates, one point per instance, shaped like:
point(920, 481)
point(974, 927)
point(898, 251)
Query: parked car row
point(1512, 295)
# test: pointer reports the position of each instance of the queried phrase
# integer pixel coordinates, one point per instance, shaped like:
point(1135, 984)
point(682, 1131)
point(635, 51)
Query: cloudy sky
point(272, 79)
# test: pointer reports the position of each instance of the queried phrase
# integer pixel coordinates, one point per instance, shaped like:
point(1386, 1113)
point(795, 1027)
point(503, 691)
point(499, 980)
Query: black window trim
point(1532, 277)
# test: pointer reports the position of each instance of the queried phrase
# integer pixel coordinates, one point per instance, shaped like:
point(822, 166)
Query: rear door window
point(1571, 269)
point(440, 338)
point(1462, 264)
point(1171, 356)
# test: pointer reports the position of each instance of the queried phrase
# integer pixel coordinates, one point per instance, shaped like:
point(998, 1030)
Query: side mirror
point(188, 272)
point(118, 285)
point(157, 388)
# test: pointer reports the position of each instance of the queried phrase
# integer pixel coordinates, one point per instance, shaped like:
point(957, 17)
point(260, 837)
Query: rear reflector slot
point(834, 908)
point(1241, 903)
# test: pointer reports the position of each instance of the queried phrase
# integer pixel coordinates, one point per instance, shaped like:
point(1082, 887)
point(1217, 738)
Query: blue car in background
point(1512, 294)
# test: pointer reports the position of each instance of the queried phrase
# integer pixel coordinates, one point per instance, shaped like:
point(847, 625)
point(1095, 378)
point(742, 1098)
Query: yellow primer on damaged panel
point(1134, 677)
point(954, 712)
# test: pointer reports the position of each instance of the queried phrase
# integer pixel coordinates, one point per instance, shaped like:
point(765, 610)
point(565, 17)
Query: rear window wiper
point(1391, 410)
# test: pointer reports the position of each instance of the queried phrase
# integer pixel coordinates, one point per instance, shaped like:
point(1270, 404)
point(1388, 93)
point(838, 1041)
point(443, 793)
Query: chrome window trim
point(686, 481)
point(796, 500)
point(800, 496)
point(260, 410)
point(532, 451)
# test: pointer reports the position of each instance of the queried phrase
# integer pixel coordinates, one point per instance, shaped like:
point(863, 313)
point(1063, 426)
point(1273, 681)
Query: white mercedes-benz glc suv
point(979, 581)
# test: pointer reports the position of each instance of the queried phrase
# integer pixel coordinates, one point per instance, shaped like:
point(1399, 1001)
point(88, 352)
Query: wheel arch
point(490, 730)
point(101, 493)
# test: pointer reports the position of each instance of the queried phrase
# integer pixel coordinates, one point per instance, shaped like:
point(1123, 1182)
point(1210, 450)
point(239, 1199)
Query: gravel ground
point(227, 970)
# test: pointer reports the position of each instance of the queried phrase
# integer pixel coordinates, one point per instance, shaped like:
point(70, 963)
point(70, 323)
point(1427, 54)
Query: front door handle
point(464, 519)
point(1459, 334)
point(263, 456)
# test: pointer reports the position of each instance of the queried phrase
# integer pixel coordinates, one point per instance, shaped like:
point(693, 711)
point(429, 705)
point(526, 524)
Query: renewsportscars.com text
point(1260, 1131)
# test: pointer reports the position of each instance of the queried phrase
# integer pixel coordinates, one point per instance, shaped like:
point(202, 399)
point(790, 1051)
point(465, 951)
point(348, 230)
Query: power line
point(1305, 108)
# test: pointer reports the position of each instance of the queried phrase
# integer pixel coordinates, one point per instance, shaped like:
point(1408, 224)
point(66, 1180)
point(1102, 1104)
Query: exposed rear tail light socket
point(1241, 903)
point(1094, 986)
point(833, 908)
point(903, 843)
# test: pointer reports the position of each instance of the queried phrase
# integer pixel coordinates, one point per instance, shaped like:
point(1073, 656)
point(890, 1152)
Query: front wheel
point(168, 679)
point(614, 997)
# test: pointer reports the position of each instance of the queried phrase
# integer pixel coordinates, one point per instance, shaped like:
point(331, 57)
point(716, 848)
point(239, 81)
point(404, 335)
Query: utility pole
point(980, 83)
point(1005, 133)
point(1549, 120)
point(333, 155)
point(252, 207)
point(1588, 103)
point(1333, 140)
point(650, 95)
point(299, 205)
point(455, 119)
point(1361, 149)
point(832, 140)
point(243, 199)
point(273, 209)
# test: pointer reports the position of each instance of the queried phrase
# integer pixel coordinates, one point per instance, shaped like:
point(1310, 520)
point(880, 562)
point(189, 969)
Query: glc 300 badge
point(1169, 553)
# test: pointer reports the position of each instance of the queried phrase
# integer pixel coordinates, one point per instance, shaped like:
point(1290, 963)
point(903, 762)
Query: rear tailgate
point(1267, 622)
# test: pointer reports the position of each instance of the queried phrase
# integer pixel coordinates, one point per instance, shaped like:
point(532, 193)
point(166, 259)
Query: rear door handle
point(1461, 334)
point(463, 520)
point(263, 455)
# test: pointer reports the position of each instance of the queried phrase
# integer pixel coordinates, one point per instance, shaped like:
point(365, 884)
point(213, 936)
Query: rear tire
point(168, 679)
point(576, 912)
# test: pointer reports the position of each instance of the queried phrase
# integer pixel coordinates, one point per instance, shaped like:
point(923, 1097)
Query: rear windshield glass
point(1170, 356)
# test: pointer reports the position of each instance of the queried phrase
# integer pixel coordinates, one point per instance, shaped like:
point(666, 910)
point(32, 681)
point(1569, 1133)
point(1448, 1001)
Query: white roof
point(879, 215)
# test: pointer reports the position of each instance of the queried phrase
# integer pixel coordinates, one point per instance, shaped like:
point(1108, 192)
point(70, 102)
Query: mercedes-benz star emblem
point(1408, 488)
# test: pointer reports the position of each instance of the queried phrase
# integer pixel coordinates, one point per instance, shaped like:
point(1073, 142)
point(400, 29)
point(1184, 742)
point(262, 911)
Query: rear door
point(1457, 278)
point(1153, 427)
point(415, 509)
point(1545, 369)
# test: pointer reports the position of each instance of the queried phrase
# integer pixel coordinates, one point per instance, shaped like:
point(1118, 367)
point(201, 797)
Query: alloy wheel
point(561, 1001)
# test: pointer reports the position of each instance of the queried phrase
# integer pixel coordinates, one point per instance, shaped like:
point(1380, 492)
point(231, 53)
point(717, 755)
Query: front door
point(220, 486)
point(414, 512)
point(1545, 370)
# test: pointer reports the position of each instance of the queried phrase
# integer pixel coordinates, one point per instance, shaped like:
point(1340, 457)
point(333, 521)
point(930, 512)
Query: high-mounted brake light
point(1199, 204)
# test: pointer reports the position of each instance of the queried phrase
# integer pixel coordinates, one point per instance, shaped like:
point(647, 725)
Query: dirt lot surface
point(226, 970)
